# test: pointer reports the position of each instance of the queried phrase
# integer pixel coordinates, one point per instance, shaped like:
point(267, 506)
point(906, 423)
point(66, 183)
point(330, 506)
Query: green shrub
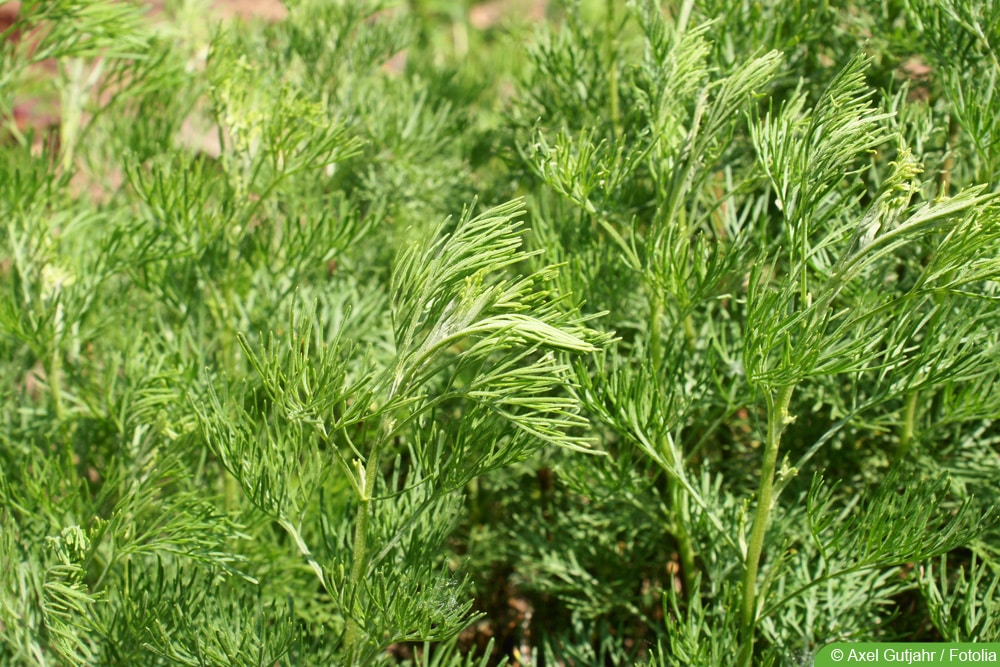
point(366, 335)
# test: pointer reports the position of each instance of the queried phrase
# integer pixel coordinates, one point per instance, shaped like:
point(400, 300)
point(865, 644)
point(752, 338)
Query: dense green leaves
point(362, 337)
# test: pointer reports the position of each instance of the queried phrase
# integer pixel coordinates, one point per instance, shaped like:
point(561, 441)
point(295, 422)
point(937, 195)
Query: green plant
point(708, 377)
point(755, 279)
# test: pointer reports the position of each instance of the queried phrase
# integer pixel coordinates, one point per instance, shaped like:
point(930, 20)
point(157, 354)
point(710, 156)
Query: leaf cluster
point(358, 336)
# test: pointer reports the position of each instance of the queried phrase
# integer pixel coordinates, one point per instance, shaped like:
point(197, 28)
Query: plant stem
point(906, 432)
point(418, 8)
point(54, 375)
point(55, 381)
point(949, 161)
point(777, 419)
point(303, 548)
point(612, 56)
point(684, 16)
point(689, 333)
point(359, 556)
point(685, 548)
point(655, 315)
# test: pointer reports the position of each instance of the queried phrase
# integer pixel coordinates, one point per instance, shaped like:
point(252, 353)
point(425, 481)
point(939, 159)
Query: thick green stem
point(353, 638)
point(685, 548)
point(684, 17)
point(777, 419)
point(73, 94)
point(230, 492)
point(360, 557)
point(689, 333)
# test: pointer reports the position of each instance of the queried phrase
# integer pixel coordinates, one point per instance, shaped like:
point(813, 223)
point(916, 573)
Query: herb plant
point(386, 333)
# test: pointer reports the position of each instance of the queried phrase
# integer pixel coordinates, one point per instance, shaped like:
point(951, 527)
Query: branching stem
point(777, 419)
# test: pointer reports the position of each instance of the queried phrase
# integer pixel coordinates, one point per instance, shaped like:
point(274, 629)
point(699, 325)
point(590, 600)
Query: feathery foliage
point(366, 335)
